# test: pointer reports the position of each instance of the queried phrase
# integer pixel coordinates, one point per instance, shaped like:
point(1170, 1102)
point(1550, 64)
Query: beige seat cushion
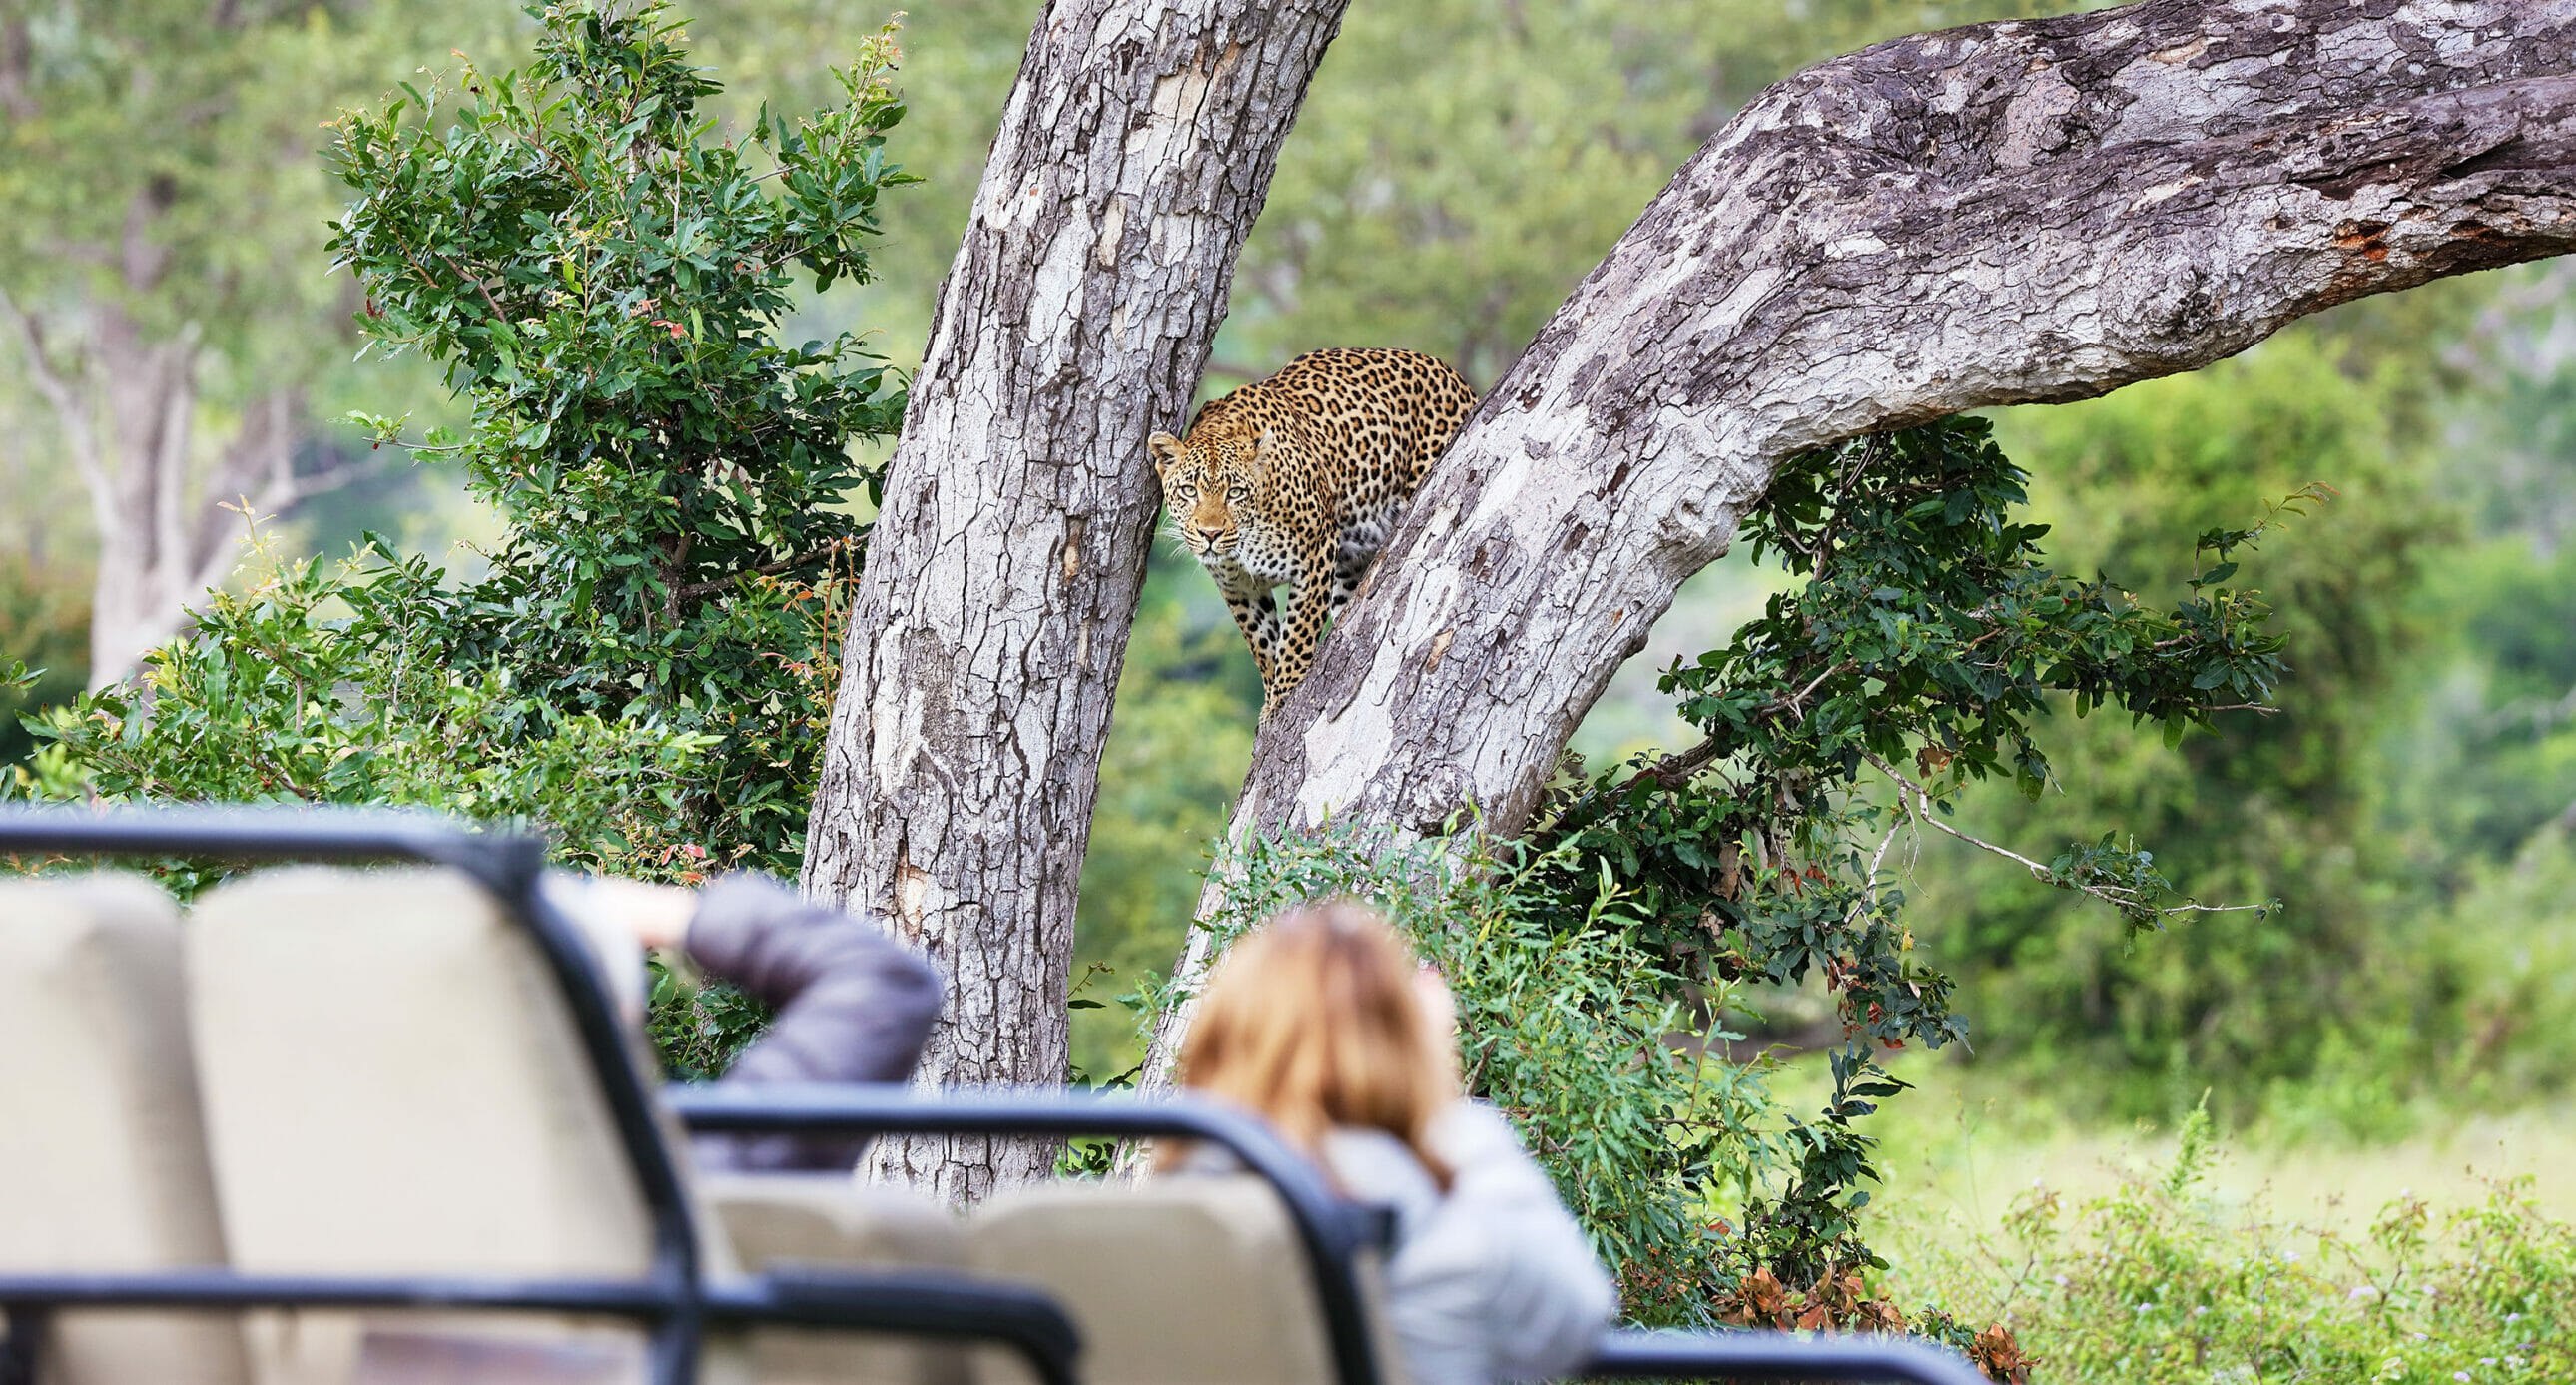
point(1181, 1281)
point(394, 1085)
point(102, 1155)
point(828, 1219)
point(831, 1219)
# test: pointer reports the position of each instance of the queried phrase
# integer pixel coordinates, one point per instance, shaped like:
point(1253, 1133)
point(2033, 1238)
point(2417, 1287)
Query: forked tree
point(2008, 213)
point(1004, 568)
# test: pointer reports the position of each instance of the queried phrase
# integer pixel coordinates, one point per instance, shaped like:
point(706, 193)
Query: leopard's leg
point(1310, 602)
point(1348, 569)
point(1256, 614)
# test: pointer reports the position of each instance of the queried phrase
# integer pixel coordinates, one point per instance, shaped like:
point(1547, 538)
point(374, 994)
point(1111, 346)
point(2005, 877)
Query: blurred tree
point(162, 200)
point(603, 287)
point(2492, 753)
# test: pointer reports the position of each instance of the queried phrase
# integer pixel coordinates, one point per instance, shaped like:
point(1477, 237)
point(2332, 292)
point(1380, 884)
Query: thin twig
point(477, 282)
point(2043, 874)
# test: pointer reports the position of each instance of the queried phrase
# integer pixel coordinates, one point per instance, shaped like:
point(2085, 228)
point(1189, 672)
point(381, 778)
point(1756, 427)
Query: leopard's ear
point(1256, 455)
point(1166, 450)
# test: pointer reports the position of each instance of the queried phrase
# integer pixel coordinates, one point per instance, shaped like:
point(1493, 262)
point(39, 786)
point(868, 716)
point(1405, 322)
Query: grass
point(2151, 1256)
point(1961, 1149)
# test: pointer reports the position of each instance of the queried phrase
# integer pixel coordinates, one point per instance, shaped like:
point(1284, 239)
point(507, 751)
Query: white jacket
point(1493, 1281)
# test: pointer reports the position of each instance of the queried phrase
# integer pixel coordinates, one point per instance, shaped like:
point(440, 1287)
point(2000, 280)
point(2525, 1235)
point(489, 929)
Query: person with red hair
point(1322, 1022)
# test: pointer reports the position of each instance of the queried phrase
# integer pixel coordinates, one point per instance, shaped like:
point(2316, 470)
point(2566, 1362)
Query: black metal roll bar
point(674, 1297)
point(1668, 1355)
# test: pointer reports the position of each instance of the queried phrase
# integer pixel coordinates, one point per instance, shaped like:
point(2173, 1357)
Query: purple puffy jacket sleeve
point(852, 1005)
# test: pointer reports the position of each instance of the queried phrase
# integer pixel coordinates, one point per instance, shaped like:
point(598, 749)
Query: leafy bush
point(1577, 1035)
point(2159, 1283)
point(603, 278)
point(310, 685)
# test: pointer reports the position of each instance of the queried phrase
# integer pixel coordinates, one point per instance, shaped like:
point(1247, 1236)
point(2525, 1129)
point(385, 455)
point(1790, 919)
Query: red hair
point(1313, 1020)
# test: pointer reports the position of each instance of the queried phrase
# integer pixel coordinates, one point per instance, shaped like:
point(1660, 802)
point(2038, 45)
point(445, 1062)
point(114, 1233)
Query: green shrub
point(1927, 642)
point(44, 624)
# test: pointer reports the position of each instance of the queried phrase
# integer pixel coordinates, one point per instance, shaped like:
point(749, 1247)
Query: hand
point(1439, 1029)
point(659, 914)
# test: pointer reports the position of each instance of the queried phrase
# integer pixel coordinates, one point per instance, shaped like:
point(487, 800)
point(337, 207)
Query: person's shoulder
point(1472, 1132)
point(1374, 1166)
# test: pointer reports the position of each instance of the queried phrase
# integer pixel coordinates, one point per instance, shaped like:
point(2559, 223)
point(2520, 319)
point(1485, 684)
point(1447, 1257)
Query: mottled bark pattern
point(2009, 213)
point(1002, 576)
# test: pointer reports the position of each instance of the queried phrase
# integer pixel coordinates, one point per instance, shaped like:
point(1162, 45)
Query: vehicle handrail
point(1665, 1354)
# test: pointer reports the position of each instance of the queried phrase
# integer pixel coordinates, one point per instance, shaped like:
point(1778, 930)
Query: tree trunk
point(1002, 575)
point(2003, 214)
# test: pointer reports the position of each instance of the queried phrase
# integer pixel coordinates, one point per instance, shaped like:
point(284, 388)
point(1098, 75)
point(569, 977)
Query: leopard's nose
point(1207, 535)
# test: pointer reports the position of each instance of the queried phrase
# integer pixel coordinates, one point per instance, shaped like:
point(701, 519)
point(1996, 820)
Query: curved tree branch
point(2003, 214)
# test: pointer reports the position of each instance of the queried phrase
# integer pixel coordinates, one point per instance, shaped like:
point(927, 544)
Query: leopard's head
point(1213, 484)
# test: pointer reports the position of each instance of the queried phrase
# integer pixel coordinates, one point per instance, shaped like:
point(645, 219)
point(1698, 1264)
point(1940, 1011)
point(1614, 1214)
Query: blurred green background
point(1459, 165)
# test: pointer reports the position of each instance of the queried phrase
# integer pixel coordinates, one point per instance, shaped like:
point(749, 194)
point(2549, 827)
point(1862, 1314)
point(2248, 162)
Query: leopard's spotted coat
point(1286, 489)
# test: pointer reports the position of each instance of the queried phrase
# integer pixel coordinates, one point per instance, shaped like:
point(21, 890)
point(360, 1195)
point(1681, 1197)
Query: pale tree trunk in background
point(2003, 214)
point(168, 516)
point(957, 787)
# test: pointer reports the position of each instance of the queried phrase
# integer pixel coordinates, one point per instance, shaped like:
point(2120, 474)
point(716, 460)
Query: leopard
point(1288, 488)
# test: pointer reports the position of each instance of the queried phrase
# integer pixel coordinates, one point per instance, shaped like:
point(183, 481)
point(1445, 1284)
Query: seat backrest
point(394, 1084)
point(775, 1219)
point(102, 1151)
point(831, 1219)
point(1177, 1281)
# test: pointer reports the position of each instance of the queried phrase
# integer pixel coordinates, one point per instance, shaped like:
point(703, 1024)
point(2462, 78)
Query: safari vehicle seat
point(394, 1123)
point(779, 1220)
point(409, 1094)
point(102, 1166)
point(1174, 1282)
point(394, 1085)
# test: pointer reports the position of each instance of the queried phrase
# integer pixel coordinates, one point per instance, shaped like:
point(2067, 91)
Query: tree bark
point(2003, 214)
point(1002, 576)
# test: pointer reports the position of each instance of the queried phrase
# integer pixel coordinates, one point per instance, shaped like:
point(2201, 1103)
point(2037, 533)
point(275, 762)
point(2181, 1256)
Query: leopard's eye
point(1237, 494)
